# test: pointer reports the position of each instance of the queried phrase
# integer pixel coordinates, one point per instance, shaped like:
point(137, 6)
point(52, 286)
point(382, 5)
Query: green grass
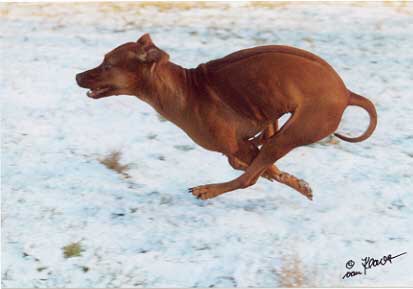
point(72, 250)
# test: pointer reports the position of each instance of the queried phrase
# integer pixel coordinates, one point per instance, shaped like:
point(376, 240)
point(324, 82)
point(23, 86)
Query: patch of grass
point(165, 6)
point(111, 162)
point(40, 269)
point(291, 273)
point(400, 6)
point(72, 250)
point(268, 4)
point(116, 7)
point(5, 9)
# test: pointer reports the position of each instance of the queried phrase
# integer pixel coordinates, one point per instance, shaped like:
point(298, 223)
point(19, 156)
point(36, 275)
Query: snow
point(146, 231)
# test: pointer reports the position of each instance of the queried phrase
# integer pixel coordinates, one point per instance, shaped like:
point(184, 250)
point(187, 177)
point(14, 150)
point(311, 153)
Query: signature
point(368, 263)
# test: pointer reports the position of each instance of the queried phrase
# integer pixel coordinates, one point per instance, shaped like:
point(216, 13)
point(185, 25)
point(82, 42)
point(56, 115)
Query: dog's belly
point(221, 130)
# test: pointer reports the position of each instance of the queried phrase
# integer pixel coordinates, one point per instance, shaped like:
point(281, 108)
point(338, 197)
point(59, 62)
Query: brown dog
point(223, 104)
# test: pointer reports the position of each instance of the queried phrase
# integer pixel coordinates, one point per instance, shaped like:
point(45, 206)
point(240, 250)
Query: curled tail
point(362, 102)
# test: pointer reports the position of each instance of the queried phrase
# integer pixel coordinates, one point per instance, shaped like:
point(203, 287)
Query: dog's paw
point(305, 189)
point(203, 192)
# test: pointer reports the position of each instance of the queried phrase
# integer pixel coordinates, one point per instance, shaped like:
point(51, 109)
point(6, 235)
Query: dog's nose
point(78, 78)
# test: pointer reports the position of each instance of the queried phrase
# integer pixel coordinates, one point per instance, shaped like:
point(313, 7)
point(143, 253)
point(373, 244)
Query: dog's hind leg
point(242, 160)
point(298, 130)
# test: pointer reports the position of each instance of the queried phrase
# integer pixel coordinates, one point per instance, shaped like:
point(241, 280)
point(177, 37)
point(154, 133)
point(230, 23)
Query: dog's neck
point(168, 91)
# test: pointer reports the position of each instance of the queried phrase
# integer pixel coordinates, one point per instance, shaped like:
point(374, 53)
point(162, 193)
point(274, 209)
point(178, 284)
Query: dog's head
point(124, 70)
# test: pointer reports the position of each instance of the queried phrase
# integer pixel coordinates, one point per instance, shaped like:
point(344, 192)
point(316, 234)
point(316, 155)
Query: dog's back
point(263, 83)
point(217, 64)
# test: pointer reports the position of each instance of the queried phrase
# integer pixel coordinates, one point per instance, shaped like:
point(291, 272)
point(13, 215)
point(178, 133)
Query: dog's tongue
point(96, 92)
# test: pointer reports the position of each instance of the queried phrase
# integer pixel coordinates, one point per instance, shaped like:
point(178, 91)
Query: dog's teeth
point(95, 92)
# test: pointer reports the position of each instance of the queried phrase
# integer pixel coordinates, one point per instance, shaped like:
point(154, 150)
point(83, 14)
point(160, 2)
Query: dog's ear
point(148, 52)
point(145, 40)
point(152, 54)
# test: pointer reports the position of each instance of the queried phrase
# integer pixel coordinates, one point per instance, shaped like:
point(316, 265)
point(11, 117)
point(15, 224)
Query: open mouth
point(98, 92)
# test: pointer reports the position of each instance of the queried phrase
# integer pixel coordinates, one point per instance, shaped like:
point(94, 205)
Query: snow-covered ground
point(145, 230)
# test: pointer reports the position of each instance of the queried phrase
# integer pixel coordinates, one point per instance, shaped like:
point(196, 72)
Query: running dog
point(232, 104)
